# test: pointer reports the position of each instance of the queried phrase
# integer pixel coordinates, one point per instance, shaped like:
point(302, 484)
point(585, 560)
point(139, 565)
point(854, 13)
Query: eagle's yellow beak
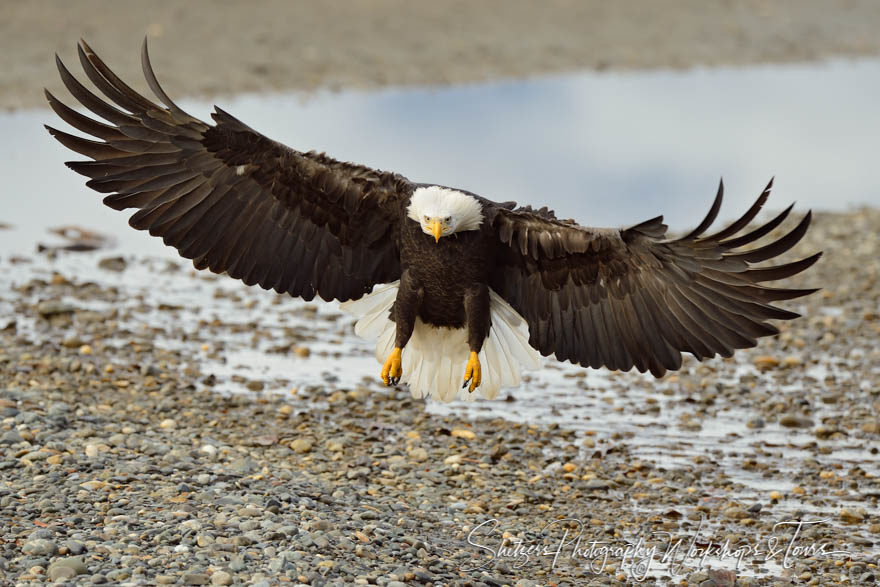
point(437, 230)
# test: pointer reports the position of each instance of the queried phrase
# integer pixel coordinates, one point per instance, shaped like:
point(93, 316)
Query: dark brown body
point(444, 283)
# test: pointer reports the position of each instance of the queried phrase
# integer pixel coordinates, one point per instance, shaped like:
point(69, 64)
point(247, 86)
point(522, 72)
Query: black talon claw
point(466, 381)
point(393, 381)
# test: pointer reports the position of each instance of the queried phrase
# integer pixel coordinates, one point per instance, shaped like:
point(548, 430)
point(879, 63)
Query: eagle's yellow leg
point(391, 370)
point(473, 373)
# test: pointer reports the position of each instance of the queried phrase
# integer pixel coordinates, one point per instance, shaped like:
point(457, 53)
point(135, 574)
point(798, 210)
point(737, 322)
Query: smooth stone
point(73, 563)
point(39, 546)
point(237, 563)
point(221, 578)
point(196, 579)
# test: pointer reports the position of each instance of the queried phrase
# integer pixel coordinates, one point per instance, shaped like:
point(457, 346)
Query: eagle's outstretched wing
point(231, 199)
point(624, 298)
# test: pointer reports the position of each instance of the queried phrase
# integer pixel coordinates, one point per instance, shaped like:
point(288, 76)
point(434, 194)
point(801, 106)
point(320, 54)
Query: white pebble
point(92, 450)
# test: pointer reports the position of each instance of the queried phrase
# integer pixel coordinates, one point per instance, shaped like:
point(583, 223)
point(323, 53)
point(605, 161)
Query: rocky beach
point(160, 425)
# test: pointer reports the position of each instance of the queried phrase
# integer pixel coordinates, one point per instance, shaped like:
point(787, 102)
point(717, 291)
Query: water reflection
point(604, 148)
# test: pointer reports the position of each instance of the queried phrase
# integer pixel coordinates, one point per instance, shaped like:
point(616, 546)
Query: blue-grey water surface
point(603, 148)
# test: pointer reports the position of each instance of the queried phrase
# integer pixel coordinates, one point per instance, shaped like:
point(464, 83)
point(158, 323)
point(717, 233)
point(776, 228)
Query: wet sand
point(203, 48)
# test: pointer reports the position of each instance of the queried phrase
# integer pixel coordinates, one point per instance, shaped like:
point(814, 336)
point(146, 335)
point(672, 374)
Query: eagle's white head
point(442, 211)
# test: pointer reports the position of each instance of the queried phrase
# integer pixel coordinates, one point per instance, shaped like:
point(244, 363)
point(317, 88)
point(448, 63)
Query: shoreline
point(199, 51)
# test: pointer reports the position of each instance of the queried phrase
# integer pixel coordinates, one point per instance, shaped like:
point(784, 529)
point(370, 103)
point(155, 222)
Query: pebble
point(40, 546)
point(93, 450)
point(60, 573)
point(53, 308)
point(195, 579)
point(388, 490)
point(418, 454)
point(117, 264)
point(766, 362)
point(597, 484)
point(850, 516)
point(93, 485)
point(221, 578)
point(795, 421)
point(301, 445)
point(67, 568)
point(464, 433)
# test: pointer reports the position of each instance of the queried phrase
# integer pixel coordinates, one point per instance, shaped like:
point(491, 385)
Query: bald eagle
point(454, 287)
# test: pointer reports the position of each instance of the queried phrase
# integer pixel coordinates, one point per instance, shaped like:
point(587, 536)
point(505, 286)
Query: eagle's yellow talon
point(473, 373)
point(391, 370)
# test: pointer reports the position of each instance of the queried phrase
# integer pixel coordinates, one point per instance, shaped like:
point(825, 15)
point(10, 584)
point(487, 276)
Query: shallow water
point(606, 149)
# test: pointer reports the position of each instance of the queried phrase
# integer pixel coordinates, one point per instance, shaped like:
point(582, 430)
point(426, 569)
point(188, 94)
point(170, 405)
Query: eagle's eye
point(426, 218)
point(448, 219)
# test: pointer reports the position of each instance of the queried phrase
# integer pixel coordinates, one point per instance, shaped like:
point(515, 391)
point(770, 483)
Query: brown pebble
point(463, 433)
point(848, 516)
point(766, 362)
point(795, 421)
point(301, 445)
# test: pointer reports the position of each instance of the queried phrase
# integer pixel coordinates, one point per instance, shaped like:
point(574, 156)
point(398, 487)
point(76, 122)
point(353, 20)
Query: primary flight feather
point(453, 286)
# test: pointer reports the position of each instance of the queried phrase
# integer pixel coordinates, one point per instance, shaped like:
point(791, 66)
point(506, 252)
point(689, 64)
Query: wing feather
point(229, 198)
point(632, 298)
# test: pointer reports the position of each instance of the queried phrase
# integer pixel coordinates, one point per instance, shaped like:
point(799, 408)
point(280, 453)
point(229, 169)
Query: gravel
point(121, 466)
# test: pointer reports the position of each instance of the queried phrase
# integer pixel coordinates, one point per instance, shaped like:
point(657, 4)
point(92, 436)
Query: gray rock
point(67, 568)
point(74, 546)
point(37, 455)
point(40, 546)
point(60, 573)
point(116, 264)
point(221, 578)
point(51, 308)
point(196, 579)
point(247, 512)
point(58, 409)
point(237, 563)
point(597, 484)
point(118, 575)
point(11, 437)
point(243, 466)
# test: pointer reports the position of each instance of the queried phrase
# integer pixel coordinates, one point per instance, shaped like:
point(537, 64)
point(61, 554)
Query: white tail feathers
point(434, 359)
